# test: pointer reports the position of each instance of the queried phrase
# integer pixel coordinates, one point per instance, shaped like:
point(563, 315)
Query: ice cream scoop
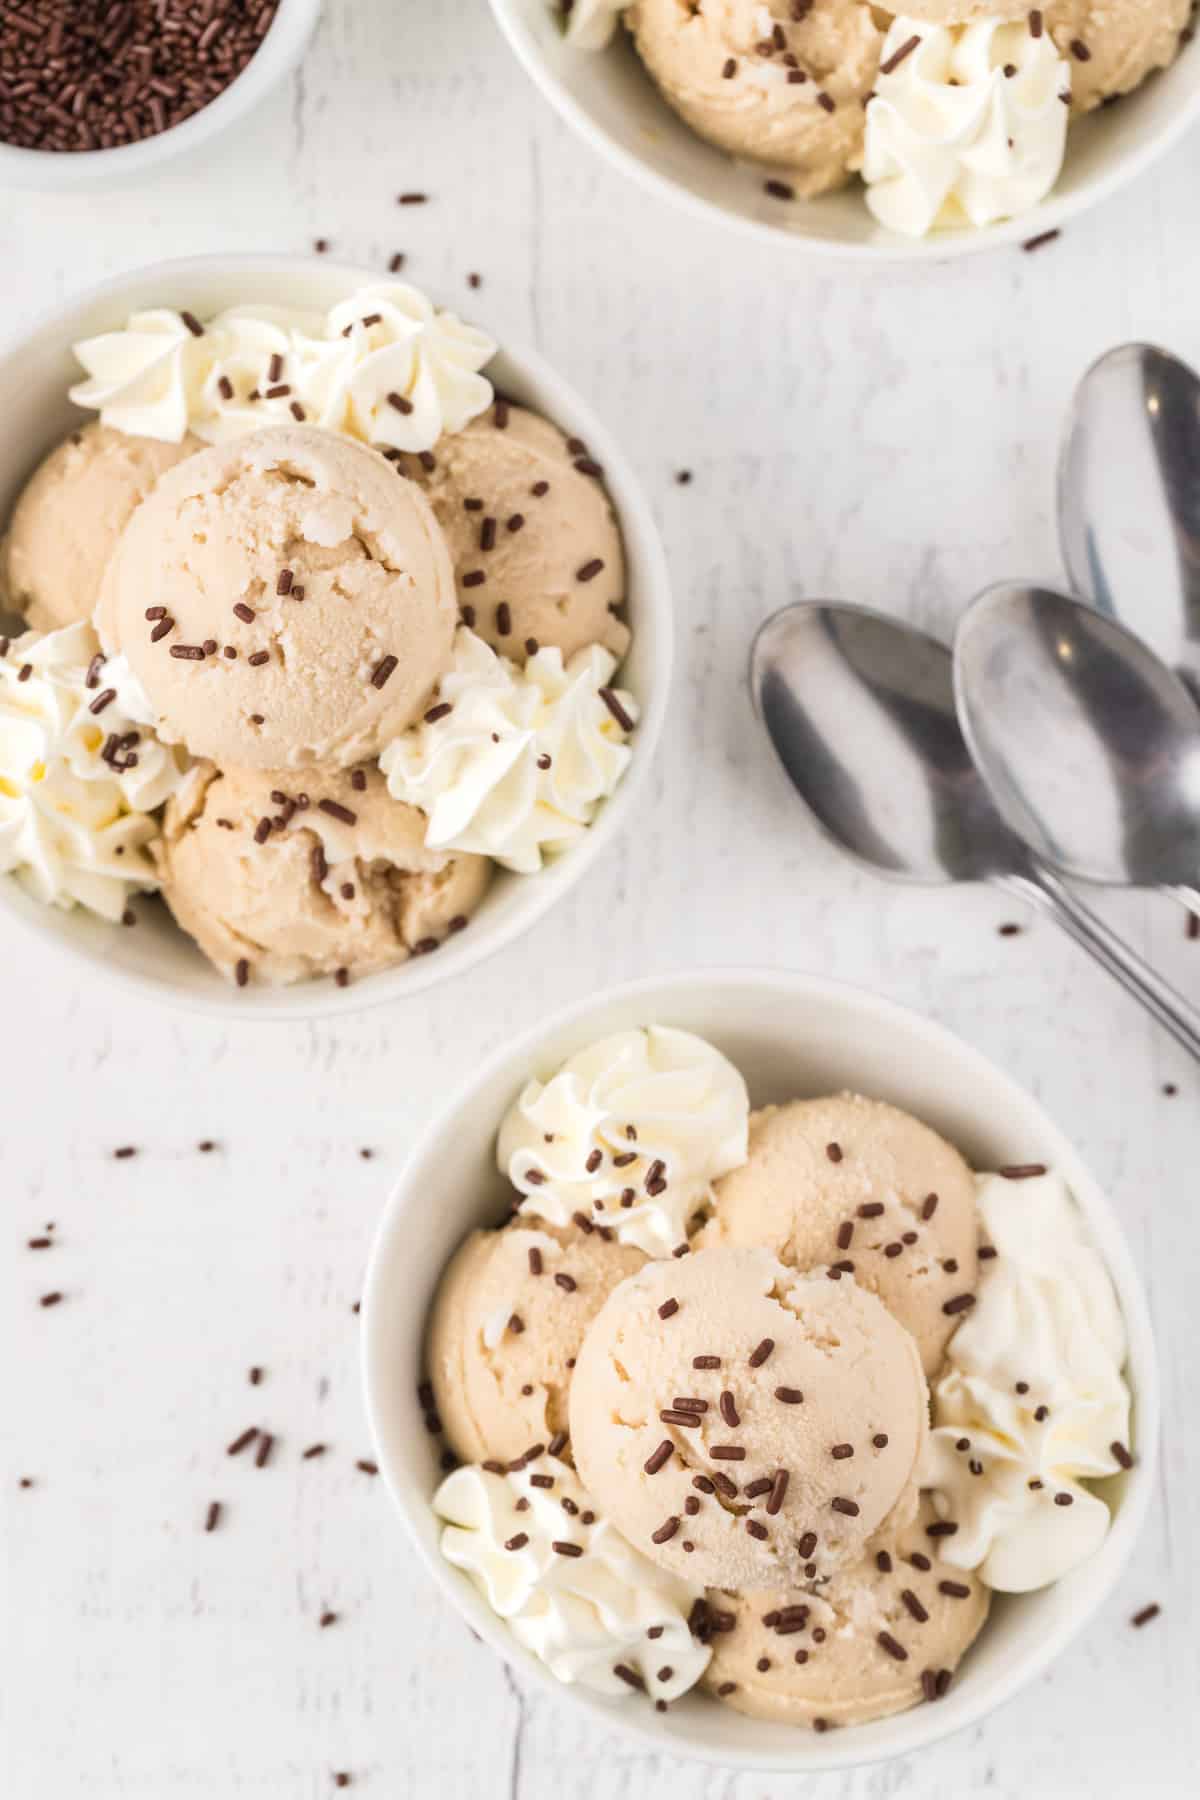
point(534, 540)
point(753, 78)
point(506, 1328)
point(280, 877)
point(1112, 45)
point(864, 1186)
point(70, 514)
point(744, 1425)
point(880, 1636)
point(284, 599)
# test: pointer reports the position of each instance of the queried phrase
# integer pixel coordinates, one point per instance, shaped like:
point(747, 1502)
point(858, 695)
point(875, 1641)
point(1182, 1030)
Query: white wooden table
point(888, 440)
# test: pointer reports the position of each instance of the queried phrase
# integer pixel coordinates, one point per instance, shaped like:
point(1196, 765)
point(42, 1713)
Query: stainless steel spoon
point(1129, 498)
point(1088, 742)
point(860, 710)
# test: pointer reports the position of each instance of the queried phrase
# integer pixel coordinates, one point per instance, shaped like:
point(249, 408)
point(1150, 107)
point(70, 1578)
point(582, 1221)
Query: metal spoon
point(1088, 742)
point(1129, 498)
point(860, 710)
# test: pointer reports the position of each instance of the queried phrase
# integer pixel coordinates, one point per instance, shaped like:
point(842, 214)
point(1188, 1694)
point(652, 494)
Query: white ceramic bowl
point(35, 373)
point(610, 100)
point(790, 1035)
point(277, 55)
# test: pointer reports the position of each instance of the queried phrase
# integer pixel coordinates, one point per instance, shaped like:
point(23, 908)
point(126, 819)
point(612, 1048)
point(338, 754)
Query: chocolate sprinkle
point(789, 1396)
point(384, 671)
point(897, 57)
point(666, 1530)
point(960, 1303)
point(887, 1642)
point(760, 1353)
point(840, 1504)
point(658, 1458)
point(957, 1590)
point(668, 1308)
point(1146, 1614)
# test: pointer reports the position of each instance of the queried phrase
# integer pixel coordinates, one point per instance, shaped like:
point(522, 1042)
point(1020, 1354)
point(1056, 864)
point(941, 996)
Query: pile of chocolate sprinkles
point(96, 74)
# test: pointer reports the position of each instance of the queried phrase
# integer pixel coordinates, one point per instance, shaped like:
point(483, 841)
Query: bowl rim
point(1050, 215)
point(281, 47)
point(323, 999)
point(836, 1749)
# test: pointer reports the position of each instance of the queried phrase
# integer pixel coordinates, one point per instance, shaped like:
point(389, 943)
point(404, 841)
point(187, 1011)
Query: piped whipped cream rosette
point(385, 366)
point(1032, 1404)
point(572, 1589)
point(631, 1134)
point(81, 773)
point(513, 761)
point(968, 123)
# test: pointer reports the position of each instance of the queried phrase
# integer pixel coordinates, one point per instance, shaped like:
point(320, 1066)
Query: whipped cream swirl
point(969, 125)
point(517, 764)
point(81, 773)
point(632, 1132)
point(384, 366)
point(1033, 1389)
point(584, 1616)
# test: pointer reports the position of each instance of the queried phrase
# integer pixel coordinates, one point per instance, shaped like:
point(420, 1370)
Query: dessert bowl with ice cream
point(771, 1378)
point(336, 639)
point(930, 129)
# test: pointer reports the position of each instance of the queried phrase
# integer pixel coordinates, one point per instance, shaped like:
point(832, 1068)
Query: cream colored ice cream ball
point(744, 1425)
point(520, 511)
point(782, 83)
point(1112, 45)
point(506, 1327)
point(307, 601)
point(878, 1638)
point(69, 516)
point(848, 1180)
point(286, 878)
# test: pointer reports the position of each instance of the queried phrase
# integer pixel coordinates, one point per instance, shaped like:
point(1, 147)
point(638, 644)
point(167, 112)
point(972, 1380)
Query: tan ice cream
point(517, 509)
point(506, 1328)
point(277, 890)
point(745, 1426)
point(753, 80)
point(879, 1637)
point(962, 12)
point(1112, 45)
point(308, 596)
point(70, 514)
point(854, 1181)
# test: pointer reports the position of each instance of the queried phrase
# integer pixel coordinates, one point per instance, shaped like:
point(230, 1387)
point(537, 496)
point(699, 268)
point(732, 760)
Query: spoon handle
point(1112, 953)
point(1186, 896)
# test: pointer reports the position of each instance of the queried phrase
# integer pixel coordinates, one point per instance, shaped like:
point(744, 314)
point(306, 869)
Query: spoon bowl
point(1129, 498)
point(1089, 743)
point(860, 709)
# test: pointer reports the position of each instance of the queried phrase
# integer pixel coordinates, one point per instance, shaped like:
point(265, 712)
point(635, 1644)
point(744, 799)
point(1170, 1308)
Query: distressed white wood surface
point(887, 439)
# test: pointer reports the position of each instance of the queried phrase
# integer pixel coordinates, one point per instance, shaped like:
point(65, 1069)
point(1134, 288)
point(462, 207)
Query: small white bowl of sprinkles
point(349, 637)
point(94, 94)
point(932, 129)
point(648, 1385)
